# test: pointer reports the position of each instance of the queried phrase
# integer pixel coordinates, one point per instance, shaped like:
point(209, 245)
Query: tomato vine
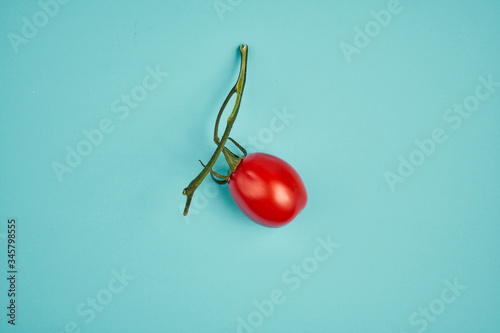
point(231, 158)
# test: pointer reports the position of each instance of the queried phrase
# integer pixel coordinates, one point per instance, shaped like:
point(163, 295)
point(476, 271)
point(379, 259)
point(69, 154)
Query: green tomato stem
point(238, 89)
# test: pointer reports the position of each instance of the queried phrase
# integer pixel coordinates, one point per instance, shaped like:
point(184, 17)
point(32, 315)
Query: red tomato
point(267, 189)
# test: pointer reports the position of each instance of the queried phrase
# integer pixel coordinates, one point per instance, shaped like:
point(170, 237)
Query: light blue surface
point(432, 243)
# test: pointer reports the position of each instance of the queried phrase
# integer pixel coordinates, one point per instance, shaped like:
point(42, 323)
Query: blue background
point(350, 119)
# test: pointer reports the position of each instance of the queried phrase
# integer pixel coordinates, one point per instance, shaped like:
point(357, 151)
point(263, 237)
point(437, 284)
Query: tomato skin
point(267, 189)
